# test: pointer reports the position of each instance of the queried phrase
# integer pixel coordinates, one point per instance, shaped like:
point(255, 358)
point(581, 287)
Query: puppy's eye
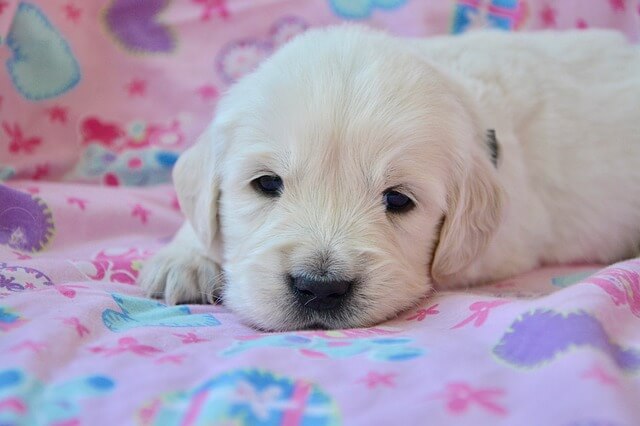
point(269, 185)
point(397, 202)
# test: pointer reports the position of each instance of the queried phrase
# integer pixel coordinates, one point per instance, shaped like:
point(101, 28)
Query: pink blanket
point(110, 92)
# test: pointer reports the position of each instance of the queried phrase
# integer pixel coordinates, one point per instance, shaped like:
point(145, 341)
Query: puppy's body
point(566, 110)
point(345, 114)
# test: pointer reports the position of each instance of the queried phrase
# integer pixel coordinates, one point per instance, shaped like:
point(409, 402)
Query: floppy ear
point(473, 214)
point(197, 185)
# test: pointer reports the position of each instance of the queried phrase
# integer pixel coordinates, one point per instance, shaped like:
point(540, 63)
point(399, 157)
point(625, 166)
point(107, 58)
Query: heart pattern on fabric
point(58, 403)
point(27, 222)
point(476, 14)
point(42, 65)
point(244, 397)
point(243, 56)
point(14, 278)
point(362, 9)
point(136, 27)
point(539, 337)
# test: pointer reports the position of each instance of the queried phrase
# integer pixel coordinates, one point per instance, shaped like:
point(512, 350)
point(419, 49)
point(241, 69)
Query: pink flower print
point(127, 344)
point(13, 404)
point(374, 379)
point(480, 313)
point(81, 330)
point(21, 256)
point(30, 345)
point(81, 203)
point(581, 24)
point(421, 314)
point(623, 286)
point(18, 142)
point(548, 16)
point(41, 171)
point(67, 290)
point(141, 212)
point(313, 354)
point(211, 7)
point(460, 396)
point(58, 113)
point(137, 87)
point(148, 413)
point(175, 204)
point(72, 12)
point(617, 5)
point(121, 266)
point(600, 375)
point(170, 359)
point(207, 92)
point(190, 338)
point(96, 131)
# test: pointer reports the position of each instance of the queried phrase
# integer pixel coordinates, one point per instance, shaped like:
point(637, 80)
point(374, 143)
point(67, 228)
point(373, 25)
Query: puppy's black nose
point(319, 294)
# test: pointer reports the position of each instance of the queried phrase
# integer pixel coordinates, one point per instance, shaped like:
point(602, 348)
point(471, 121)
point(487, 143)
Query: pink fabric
point(141, 79)
point(80, 345)
point(122, 87)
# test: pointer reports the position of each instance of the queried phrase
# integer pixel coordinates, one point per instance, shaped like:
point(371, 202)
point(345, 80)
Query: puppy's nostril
point(319, 294)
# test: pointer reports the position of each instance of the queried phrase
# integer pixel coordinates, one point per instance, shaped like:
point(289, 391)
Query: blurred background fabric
point(110, 92)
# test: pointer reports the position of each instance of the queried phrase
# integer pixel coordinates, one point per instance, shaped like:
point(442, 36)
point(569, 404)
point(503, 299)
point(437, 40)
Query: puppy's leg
point(181, 272)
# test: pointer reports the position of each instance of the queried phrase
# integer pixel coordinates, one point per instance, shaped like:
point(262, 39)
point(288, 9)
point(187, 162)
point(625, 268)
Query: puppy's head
point(338, 182)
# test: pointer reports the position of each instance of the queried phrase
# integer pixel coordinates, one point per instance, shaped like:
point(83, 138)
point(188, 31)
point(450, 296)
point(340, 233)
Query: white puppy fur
point(343, 114)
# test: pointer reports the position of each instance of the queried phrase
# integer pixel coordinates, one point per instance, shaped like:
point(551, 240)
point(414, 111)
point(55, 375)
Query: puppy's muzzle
point(320, 294)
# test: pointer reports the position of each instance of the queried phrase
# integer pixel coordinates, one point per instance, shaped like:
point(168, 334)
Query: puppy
point(353, 171)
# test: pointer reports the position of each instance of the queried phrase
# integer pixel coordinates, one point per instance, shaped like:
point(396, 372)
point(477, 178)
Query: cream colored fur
point(342, 114)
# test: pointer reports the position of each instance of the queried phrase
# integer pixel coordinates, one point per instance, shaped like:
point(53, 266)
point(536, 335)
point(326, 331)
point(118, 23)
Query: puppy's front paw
point(181, 276)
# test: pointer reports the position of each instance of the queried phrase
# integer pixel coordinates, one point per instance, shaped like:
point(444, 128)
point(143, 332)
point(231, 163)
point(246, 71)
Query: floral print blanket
point(97, 100)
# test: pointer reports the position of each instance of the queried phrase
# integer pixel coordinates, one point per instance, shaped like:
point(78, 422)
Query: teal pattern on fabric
point(26, 400)
point(362, 9)
point(140, 312)
point(244, 397)
point(42, 65)
point(376, 349)
point(563, 281)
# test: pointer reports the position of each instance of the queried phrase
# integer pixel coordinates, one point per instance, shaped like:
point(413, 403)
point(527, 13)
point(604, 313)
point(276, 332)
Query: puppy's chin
point(269, 305)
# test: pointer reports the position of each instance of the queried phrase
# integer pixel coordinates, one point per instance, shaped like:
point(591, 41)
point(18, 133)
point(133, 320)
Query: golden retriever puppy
point(354, 171)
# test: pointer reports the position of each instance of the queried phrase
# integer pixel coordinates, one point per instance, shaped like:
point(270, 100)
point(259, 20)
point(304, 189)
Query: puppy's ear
point(198, 187)
point(474, 211)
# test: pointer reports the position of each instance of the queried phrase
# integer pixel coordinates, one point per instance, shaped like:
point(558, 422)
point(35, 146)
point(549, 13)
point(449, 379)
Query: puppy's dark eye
point(269, 185)
point(397, 202)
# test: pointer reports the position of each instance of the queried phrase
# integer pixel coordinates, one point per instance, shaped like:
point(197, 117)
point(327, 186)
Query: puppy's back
point(565, 107)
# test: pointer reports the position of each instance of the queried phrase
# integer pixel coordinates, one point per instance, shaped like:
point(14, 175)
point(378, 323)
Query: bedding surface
point(79, 344)
point(97, 100)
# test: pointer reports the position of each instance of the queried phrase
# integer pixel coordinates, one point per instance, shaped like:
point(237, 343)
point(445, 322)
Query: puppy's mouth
point(340, 316)
point(315, 326)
